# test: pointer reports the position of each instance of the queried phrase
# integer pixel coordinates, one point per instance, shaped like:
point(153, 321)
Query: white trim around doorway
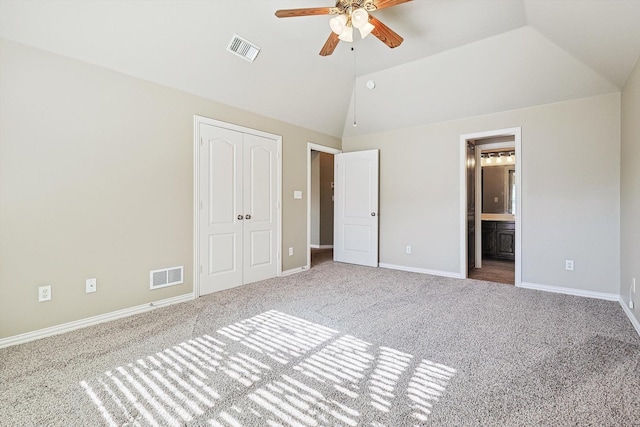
point(516, 132)
point(313, 147)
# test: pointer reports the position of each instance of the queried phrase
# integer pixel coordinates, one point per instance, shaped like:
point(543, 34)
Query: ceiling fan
point(350, 14)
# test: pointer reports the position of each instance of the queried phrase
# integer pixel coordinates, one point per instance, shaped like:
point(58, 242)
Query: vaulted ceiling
point(459, 57)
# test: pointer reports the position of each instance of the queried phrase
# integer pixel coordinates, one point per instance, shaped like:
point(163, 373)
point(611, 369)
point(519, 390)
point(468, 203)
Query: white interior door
point(260, 209)
point(221, 226)
point(356, 208)
point(238, 216)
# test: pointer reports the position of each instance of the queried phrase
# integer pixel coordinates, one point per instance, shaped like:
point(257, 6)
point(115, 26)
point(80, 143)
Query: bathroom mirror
point(498, 189)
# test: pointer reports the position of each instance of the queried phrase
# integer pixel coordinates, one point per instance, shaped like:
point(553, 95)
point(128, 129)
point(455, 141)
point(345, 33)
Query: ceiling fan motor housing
point(346, 6)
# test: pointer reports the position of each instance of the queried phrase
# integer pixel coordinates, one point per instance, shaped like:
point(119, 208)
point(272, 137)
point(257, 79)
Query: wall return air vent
point(243, 48)
point(166, 277)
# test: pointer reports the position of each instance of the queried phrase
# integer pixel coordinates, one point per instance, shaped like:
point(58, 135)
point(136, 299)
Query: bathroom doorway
point(492, 231)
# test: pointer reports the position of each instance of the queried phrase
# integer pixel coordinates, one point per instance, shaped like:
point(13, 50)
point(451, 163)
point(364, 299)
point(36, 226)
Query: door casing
point(197, 121)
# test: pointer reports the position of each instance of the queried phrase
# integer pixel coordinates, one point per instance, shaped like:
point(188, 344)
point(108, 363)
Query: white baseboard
point(294, 271)
point(632, 318)
point(420, 270)
point(570, 291)
point(89, 321)
point(321, 246)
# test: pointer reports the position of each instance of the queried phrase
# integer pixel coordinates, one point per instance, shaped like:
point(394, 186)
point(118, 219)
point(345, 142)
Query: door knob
point(240, 217)
point(247, 216)
point(373, 214)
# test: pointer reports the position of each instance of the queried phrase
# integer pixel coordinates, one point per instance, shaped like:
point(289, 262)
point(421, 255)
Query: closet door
point(238, 210)
point(260, 209)
point(221, 210)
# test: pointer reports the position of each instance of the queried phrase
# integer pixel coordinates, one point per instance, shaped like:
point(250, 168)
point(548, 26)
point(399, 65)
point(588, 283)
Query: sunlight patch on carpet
point(271, 369)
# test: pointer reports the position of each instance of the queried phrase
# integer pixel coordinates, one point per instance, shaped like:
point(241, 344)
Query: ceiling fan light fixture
point(347, 34)
point(338, 24)
point(366, 29)
point(359, 18)
point(347, 15)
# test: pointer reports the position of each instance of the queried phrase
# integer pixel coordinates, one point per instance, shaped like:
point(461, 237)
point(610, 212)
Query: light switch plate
point(297, 194)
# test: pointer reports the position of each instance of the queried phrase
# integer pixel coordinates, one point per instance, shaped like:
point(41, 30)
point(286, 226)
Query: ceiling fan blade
point(385, 34)
point(330, 44)
point(383, 4)
point(310, 11)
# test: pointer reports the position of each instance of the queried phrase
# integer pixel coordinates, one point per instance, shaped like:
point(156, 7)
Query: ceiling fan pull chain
point(355, 122)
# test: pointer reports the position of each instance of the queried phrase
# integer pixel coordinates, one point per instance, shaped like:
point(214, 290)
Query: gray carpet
point(339, 345)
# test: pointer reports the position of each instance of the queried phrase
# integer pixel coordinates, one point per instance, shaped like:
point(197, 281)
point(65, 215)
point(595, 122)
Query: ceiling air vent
point(243, 48)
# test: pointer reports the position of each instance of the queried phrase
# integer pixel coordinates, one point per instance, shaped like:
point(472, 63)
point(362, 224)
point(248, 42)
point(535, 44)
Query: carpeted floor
point(338, 345)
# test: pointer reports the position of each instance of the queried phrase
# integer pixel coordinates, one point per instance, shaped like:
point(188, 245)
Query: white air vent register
point(243, 48)
point(166, 277)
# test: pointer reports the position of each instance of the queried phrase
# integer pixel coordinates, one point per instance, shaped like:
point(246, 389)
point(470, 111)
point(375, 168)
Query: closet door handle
point(247, 216)
point(240, 217)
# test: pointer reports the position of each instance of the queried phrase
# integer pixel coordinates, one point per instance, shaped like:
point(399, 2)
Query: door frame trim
point(516, 132)
point(324, 149)
point(197, 121)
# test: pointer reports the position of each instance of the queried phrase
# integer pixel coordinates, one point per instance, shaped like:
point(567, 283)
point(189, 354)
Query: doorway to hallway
point(320, 209)
point(320, 256)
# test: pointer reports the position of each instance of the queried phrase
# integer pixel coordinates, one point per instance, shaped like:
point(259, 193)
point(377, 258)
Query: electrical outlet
point(291, 251)
point(569, 265)
point(408, 249)
point(44, 293)
point(91, 285)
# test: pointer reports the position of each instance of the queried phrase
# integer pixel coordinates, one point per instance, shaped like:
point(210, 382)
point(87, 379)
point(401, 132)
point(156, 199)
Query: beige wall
point(630, 190)
point(96, 180)
point(570, 185)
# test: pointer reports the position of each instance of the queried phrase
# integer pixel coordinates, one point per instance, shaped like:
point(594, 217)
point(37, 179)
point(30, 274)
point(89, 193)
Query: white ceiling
point(499, 54)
